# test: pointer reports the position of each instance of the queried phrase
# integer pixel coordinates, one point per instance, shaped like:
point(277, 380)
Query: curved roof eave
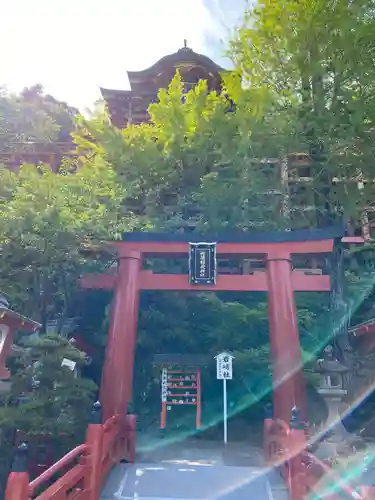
point(184, 55)
point(112, 93)
point(25, 323)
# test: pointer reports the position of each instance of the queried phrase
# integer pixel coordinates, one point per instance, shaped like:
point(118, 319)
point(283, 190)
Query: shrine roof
point(115, 94)
point(24, 323)
point(363, 328)
point(182, 57)
point(333, 232)
point(330, 365)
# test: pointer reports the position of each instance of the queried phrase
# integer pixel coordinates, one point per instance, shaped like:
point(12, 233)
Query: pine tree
point(47, 399)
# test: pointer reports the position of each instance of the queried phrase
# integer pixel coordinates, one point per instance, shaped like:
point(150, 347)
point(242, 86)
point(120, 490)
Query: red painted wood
point(276, 442)
point(182, 248)
point(367, 492)
point(94, 440)
point(17, 486)
point(297, 480)
point(112, 434)
point(98, 281)
point(13, 321)
point(163, 415)
point(287, 371)
point(71, 486)
point(363, 329)
point(131, 433)
point(353, 239)
point(266, 440)
point(199, 398)
point(117, 381)
point(106, 444)
point(5, 350)
point(310, 283)
point(322, 470)
point(237, 282)
point(367, 344)
point(57, 467)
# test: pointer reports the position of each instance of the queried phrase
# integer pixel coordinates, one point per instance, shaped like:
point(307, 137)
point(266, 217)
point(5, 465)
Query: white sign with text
point(224, 366)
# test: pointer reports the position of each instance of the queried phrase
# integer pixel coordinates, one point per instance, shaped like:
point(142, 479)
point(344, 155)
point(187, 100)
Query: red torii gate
point(279, 279)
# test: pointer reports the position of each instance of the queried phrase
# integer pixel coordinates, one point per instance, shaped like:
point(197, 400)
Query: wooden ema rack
point(180, 387)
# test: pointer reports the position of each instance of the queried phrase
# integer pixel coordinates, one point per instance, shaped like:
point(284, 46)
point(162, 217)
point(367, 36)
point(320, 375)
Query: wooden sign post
point(180, 383)
point(180, 387)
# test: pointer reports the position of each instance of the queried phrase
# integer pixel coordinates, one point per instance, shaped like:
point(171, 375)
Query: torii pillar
point(116, 392)
point(287, 368)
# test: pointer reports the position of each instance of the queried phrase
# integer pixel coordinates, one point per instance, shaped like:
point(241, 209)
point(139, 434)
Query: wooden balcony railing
point(81, 473)
point(305, 475)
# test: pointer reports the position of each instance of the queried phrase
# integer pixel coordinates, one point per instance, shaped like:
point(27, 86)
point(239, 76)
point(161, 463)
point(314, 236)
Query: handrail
point(106, 444)
point(56, 467)
point(290, 445)
point(328, 471)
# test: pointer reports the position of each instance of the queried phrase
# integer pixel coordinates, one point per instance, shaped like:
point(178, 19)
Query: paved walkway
point(195, 470)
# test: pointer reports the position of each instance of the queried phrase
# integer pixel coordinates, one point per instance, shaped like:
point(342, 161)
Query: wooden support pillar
point(287, 371)
point(117, 379)
point(94, 440)
point(297, 445)
point(18, 480)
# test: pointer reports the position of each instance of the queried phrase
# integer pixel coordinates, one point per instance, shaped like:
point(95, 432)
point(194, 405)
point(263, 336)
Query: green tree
point(32, 117)
point(313, 62)
point(46, 219)
point(19, 122)
point(47, 397)
point(195, 162)
point(63, 115)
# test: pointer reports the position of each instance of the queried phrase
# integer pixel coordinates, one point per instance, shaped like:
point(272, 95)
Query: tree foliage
point(314, 62)
point(47, 398)
point(46, 219)
point(46, 401)
point(195, 162)
point(33, 117)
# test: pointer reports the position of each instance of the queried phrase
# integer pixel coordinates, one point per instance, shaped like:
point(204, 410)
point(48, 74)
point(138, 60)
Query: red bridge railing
point(81, 473)
point(304, 474)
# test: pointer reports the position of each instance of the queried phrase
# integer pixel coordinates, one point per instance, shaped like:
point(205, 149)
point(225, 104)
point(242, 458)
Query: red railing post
point(131, 433)
point(18, 480)
point(268, 420)
point(368, 492)
point(94, 440)
point(297, 445)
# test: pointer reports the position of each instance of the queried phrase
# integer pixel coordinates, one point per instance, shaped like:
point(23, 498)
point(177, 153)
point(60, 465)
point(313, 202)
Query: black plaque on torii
point(202, 263)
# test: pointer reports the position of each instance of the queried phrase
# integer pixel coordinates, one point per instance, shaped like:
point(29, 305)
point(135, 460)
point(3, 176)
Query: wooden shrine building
point(130, 106)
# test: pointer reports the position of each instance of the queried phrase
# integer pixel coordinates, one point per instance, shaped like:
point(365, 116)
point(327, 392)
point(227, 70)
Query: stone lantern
point(10, 321)
point(332, 389)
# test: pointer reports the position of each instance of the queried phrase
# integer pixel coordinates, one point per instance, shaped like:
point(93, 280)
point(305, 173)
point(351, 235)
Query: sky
point(72, 47)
